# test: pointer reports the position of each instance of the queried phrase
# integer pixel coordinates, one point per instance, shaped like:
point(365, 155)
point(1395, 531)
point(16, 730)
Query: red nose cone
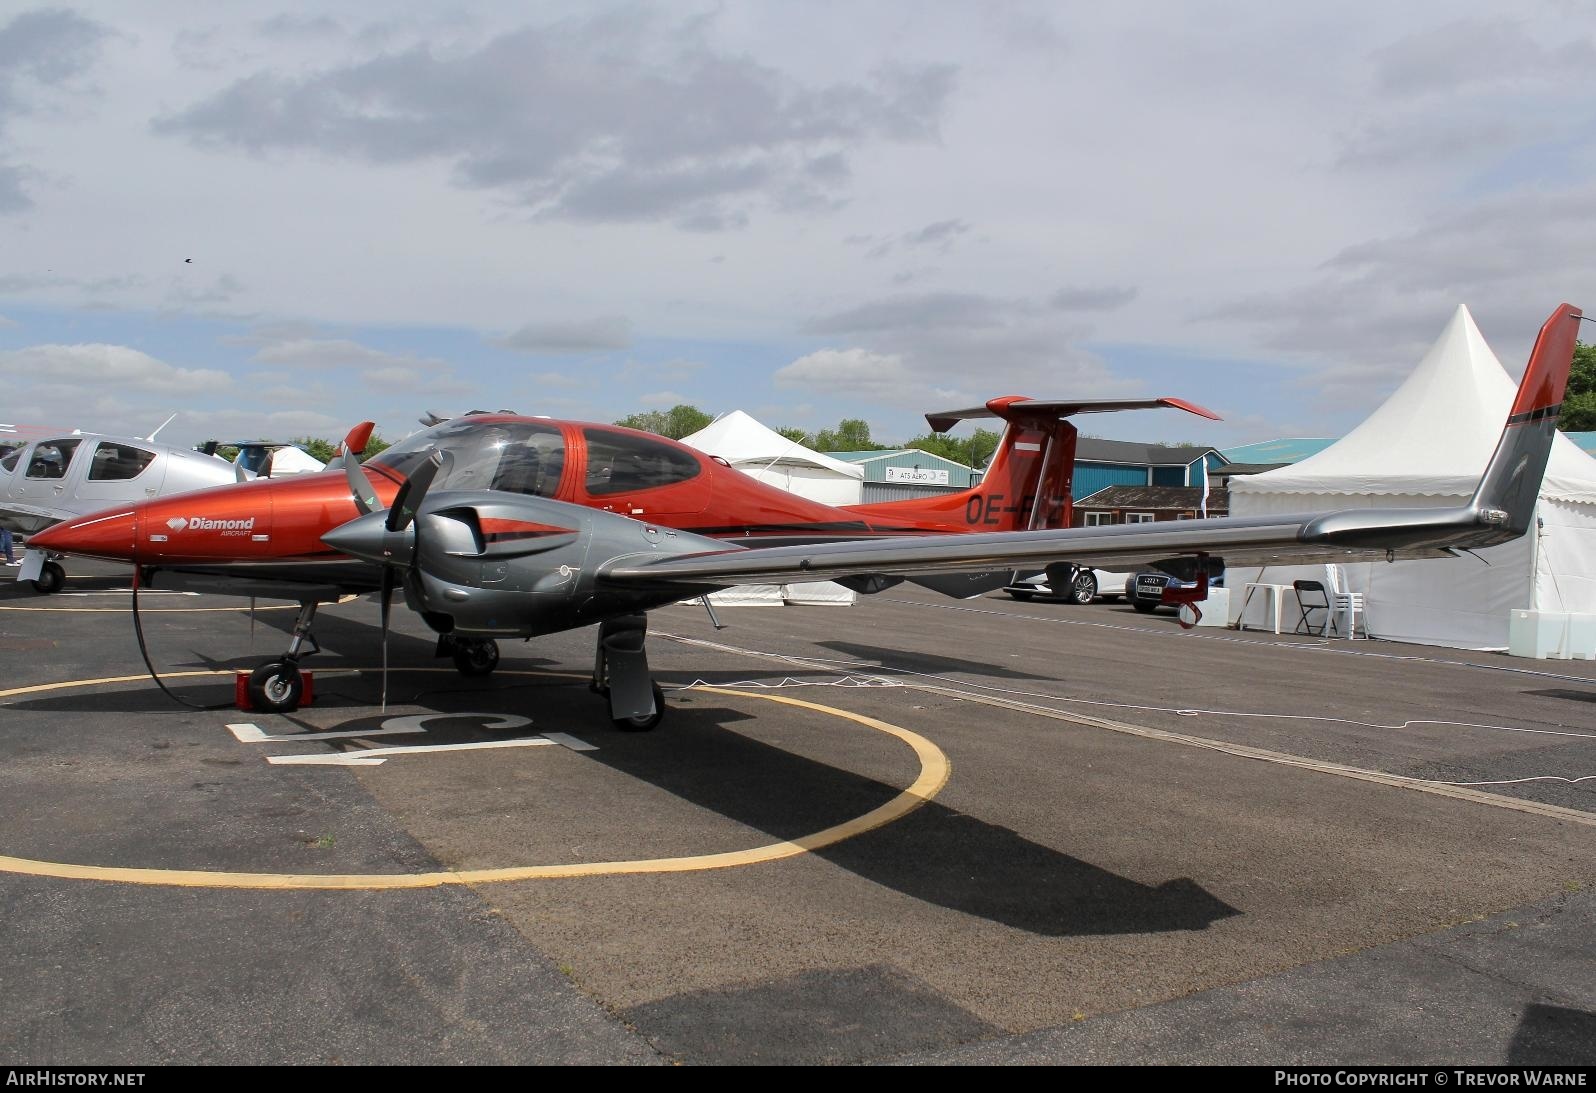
point(100, 535)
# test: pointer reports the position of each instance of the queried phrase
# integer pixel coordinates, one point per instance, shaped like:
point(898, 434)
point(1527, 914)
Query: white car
point(1085, 584)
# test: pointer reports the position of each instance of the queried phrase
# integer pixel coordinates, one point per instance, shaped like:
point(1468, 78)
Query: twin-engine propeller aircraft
point(501, 526)
point(58, 475)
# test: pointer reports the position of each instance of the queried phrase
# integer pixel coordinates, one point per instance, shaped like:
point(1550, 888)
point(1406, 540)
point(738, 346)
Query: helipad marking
point(565, 739)
point(248, 733)
point(935, 770)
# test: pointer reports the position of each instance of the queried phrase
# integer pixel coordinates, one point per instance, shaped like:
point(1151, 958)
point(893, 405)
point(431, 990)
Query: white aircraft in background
point(51, 475)
point(267, 459)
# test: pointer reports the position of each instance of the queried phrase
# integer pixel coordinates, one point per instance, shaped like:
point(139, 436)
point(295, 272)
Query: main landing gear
point(620, 672)
point(472, 656)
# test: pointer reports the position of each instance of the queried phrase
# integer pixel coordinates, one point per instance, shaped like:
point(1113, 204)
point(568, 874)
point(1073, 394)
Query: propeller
point(384, 541)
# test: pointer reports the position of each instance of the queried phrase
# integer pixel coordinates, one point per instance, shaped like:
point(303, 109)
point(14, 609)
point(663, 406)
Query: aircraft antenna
point(162, 425)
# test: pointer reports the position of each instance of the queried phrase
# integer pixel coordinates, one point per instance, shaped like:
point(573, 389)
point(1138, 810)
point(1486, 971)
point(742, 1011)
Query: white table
point(1276, 595)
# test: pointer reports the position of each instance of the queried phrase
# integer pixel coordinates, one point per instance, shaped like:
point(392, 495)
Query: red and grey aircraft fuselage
point(606, 467)
point(497, 525)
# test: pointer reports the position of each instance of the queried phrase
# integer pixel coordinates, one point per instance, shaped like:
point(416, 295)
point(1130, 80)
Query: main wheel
point(643, 724)
point(276, 687)
point(476, 657)
point(1083, 588)
point(51, 578)
point(1144, 606)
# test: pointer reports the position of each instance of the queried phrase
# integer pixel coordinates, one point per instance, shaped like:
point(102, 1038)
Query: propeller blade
point(408, 500)
point(359, 485)
point(386, 610)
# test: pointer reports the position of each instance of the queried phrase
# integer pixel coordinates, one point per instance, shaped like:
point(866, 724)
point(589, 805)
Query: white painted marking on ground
point(415, 722)
point(566, 740)
point(124, 592)
point(376, 756)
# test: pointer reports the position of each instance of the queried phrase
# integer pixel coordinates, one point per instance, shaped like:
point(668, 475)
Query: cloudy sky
point(283, 220)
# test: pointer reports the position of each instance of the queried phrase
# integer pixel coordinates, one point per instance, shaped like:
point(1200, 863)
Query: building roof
point(1094, 450)
point(890, 453)
point(1278, 452)
point(739, 439)
point(1155, 497)
point(1585, 441)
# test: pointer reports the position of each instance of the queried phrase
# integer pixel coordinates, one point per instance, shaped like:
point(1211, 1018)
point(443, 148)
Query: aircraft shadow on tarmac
point(1553, 1036)
point(1567, 693)
point(929, 663)
point(936, 853)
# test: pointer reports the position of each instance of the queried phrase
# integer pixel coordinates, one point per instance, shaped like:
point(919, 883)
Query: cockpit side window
point(622, 463)
point(118, 462)
point(51, 458)
point(517, 456)
point(10, 452)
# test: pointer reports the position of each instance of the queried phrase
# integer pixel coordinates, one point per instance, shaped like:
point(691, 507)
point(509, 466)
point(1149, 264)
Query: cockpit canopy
point(521, 456)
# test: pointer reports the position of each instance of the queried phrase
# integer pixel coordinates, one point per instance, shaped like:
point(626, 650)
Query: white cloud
point(332, 353)
point(662, 398)
point(580, 336)
point(99, 367)
point(877, 376)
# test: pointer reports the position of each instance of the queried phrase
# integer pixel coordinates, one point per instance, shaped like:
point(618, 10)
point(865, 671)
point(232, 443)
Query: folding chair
point(1344, 603)
point(1311, 596)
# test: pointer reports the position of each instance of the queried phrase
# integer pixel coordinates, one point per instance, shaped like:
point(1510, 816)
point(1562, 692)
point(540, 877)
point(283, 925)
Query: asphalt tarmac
point(913, 830)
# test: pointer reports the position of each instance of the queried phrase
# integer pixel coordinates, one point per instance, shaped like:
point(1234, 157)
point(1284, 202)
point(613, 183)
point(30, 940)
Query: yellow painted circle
point(934, 771)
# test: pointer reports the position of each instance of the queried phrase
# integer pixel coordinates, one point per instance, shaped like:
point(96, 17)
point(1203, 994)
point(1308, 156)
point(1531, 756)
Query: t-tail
point(1503, 505)
point(1512, 481)
point(1027, 485)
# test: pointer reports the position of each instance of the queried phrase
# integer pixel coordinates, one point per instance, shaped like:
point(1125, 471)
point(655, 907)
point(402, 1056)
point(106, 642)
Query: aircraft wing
point(1500, 510)
point(1355, 535)
point(30, 518)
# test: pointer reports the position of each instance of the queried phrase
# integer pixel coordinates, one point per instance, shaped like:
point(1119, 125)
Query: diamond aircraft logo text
point(206, 523)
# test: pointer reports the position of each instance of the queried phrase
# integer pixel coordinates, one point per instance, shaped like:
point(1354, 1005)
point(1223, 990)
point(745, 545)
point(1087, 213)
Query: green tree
point(794, 434)
point(677, 422)
point(972, 451)
point(324, 449)
point(317, 447)
point(851, 435)
point(1579, 402)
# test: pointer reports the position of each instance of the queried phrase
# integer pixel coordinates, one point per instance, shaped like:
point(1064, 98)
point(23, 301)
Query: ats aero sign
point(917, 476)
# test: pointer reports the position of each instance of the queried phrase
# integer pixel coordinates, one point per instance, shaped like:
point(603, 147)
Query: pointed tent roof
point(738, 438)
point(1434, 435)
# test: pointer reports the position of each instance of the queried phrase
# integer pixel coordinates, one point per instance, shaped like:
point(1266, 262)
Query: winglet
point(1512, 481)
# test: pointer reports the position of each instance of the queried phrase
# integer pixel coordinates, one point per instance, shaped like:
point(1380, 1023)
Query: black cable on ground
point(138, 629)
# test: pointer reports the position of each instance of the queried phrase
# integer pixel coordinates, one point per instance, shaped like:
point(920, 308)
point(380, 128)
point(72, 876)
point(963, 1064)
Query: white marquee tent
point(764, 454)
point(1426, 446)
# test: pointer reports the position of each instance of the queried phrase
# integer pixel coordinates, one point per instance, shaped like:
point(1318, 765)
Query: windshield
point(517, 456)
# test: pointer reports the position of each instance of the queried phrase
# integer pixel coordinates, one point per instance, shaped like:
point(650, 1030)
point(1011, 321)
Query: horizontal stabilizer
point(1012, 408)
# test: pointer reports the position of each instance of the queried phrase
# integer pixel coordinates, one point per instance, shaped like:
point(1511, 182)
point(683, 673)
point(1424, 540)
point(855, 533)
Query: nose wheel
point(276, 687)
point(50, 578)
